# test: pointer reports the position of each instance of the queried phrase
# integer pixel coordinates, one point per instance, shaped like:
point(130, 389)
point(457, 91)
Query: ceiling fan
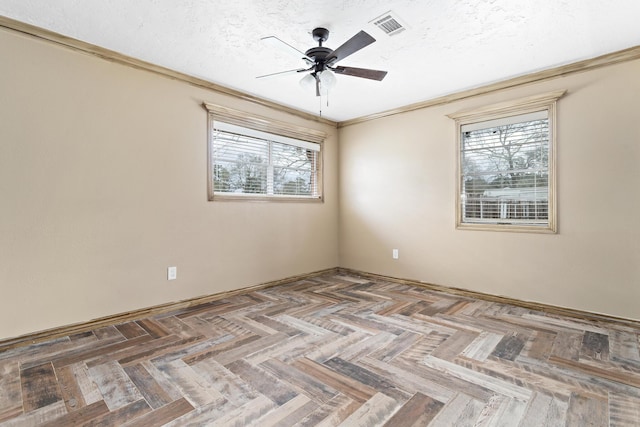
point(321, 60)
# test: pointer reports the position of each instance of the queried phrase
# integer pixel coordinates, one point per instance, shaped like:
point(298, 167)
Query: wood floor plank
point(367, 346)
point(451, 384)
point(152, 392)
point(162, 415)
point(539, 413)
point(196, 390)
point(39, 416)
point(482, 346)
point(249, 348)
point(541, 345)
point(623, 410)
point(330, 350)
point(126, 353)
point(10, 387)
point(107, 332)
point(619, 376)
point(279, 414)
point(130, 330)
point(81, 416)
point(265, 383)
point(567, 345)
point(115, 385)
point(121, 415)
point(245, 415)
point(584, 411)
point(509, 347)
point(454, 345)
point(10, 412)
point(331, 413)
point(295, 416)
point(595, 346)
point(86, 354)
point(374, 411)
point(462, 410)
point(70, 389)
point(220, 347)
point(441, 391)
point(519, 374)
point(304, 383)
point(232, 387)
point(87, 386)
point(342, 383)
point(624, 346)
point(368, 378)
point(418, 411)
point(39, 387)
point(153, 328)
point(288, 349)
point(502, 387)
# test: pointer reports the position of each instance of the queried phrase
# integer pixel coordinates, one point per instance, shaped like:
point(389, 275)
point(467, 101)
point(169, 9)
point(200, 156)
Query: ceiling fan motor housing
point(320, 53)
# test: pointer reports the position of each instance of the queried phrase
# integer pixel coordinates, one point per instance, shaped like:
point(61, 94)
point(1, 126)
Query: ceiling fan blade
point(286, 47)
point(299, 70)
point(352, 45)
point(360, 72)
point(317, 84)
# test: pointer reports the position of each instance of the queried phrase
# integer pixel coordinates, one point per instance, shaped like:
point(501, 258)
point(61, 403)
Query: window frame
point(537, 103)
point(217, 113)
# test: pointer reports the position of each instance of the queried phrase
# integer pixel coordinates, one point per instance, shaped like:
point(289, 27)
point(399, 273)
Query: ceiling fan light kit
point(325, 80)
point(321, 61)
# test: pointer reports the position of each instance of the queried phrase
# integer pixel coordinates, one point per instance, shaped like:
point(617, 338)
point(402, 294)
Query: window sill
point(241, 197)
point(514, 228)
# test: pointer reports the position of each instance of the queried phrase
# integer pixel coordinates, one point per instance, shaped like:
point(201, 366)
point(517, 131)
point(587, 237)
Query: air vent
point(389, 23)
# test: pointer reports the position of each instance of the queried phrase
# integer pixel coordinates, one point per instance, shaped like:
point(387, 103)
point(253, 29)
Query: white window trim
point(498, 112)
point(265, 128)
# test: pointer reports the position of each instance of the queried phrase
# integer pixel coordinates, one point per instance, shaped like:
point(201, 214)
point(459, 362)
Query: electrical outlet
point(172, 273)
point(395, 254)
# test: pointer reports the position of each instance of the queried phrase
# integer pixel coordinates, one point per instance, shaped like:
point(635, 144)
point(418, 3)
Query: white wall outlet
point(395, 254)
point(172, 273)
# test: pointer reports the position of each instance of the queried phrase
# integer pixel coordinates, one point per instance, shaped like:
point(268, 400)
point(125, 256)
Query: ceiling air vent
point(389, 23)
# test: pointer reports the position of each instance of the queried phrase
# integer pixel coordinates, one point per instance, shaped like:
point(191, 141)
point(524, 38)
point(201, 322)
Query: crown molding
point(620, 56)
point(110, 55)
point(624, 55)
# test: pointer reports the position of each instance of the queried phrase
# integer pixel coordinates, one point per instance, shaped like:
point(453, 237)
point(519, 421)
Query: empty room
point(338, 213)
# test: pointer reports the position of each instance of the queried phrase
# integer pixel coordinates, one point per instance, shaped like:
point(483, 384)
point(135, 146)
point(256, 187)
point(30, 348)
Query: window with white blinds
point(505, 169)
point(253, 164)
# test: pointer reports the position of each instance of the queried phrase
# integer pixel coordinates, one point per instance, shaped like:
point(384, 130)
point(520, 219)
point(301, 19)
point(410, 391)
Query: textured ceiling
point(449, 45)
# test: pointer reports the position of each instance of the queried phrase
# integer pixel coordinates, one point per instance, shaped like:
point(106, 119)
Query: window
point(253, 158)
point(506, 166)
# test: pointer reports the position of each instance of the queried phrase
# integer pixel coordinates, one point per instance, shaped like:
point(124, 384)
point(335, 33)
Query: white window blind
point(256, 158)
point(240, 130)
point(506, 165)
point(504, 170)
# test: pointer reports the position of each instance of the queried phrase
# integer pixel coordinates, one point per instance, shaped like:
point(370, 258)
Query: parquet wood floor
point(332, 350)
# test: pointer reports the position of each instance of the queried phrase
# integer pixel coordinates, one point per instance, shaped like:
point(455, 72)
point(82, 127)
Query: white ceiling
point(450, 45)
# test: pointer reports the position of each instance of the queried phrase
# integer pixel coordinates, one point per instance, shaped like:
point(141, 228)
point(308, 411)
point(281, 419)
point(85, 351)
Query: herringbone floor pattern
point(332, 350)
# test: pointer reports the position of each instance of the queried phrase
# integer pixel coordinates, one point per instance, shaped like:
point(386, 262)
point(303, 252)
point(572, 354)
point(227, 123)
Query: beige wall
point(103, 185)
point(397, 186)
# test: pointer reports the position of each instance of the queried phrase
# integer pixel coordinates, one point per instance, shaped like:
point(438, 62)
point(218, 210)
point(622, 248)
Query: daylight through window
point(506, 169)
point(251, 163)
